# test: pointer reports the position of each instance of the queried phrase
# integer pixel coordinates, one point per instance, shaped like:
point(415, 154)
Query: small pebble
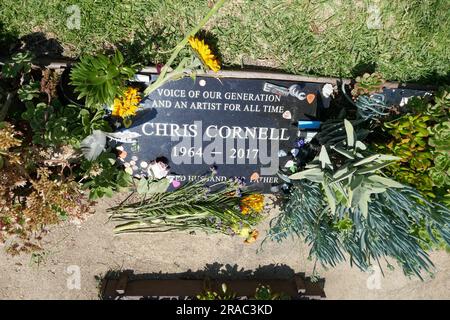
point(282, 153)
point(144, 164)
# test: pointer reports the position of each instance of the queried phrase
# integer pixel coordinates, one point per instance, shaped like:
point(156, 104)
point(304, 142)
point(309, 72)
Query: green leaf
point(373, 168)
point(314, 175)
point(356, 182)
point(387, 157)
point(142, 186)
point(360, 198)
point(158, 186)
point(324, 158)
point(345, 176)
point(350, 133)
point(330, 198)
point(367, 160)
point(360, 145)
point(344, 152)
point(386, 181)
point(340, 172)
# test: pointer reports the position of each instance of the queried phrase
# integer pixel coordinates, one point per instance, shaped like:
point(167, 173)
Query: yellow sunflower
point(127, 104)
point(253, 203)
point(205, 53)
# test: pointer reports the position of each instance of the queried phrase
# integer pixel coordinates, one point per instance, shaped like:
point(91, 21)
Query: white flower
point(327, 90)
point(158, 170)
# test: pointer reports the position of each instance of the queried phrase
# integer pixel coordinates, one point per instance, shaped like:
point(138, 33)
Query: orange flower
point(252, 236)
point(253, 203)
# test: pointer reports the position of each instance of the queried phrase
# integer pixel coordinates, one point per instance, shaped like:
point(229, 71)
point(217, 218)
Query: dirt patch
point(93, 248)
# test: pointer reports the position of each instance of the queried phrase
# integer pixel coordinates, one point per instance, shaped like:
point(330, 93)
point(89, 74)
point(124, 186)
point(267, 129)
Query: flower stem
point(162, 77)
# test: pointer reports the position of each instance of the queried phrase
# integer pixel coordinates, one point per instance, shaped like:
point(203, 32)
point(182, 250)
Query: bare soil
point(92, 247)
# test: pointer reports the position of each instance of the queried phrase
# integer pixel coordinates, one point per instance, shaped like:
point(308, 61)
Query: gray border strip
point(247, 74)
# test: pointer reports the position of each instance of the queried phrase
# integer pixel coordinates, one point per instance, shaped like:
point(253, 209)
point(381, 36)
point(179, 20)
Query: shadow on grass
point(8, 40)
point(146, 49)
point(364, 67)
point(36, 43)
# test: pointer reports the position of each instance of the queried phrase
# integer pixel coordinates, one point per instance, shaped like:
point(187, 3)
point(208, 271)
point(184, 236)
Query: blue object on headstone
point(307, 124)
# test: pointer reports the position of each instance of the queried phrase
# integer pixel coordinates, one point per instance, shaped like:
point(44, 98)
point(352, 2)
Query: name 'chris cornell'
point(226, 144)
point(192, 130)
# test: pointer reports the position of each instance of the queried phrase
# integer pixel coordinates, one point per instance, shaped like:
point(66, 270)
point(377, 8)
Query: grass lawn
point(406, 40)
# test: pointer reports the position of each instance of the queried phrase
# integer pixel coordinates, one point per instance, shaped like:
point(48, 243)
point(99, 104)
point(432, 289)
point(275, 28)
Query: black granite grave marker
point(246, 128)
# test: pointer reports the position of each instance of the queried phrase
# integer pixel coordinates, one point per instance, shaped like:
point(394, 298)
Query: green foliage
point(193, 206)
point(262, 292)
point(29, 91)
point(332, 131)
point(340, 205)
point(441, 104)
point(384, 233)
point(368, 84)
point(103, 177)
point(421, 138)
point(149, 186)
point(58, 124)
point(14, 75)
point(372, 107)
point(100, 78)
point(300, 37)
point(440, 137)
point(20, 63)
point(349, 180)
point(223, 294)
point(266, 293)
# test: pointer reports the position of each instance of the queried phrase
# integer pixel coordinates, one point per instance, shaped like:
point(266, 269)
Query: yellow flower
point(127, 104)
point(205, 53)
point(252, 236)
point(249, 235)
point(244, 232)
point(253, 203)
